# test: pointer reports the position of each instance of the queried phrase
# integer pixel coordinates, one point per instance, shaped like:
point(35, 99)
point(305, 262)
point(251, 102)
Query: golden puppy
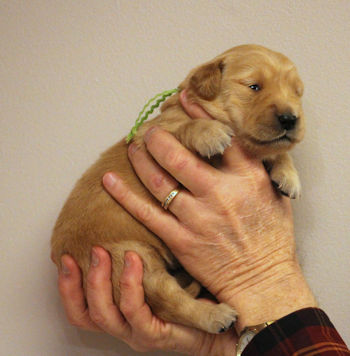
point(250, 92)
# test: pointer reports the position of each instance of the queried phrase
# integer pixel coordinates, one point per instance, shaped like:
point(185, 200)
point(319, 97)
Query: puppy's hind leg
point(187, 282)
point(163, 293)
point(172, 303)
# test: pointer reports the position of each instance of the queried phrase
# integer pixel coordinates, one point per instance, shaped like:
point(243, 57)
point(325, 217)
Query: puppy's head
point(257, 92)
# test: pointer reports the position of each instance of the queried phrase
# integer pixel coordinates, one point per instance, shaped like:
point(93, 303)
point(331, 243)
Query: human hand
point(229, 228)
point(133, 322)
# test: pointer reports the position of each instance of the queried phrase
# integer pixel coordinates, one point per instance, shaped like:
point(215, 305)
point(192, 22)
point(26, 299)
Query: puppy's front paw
point(288, 183)
point(213, 138)
point(221, 318)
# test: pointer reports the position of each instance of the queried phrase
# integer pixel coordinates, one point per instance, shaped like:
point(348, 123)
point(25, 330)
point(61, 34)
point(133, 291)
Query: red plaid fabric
point(306, 332)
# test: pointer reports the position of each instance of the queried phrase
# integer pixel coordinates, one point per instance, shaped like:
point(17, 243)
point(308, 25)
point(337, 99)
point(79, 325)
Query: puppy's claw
point(224, 329)
point(221, 319)
point(290, 188)
point(277, 186)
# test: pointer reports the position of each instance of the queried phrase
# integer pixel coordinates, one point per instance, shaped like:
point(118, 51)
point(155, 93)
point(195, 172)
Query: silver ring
point(171, 196)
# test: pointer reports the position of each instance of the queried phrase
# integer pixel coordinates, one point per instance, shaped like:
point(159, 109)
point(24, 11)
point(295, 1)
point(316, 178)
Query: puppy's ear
point(206, 80)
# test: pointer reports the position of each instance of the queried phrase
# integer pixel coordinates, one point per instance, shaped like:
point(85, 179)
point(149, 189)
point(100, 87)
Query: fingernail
point(109, 180)
point(149, 133)
point(133, 148)
point(65, 269)
point(127, 259)
point(94, 258)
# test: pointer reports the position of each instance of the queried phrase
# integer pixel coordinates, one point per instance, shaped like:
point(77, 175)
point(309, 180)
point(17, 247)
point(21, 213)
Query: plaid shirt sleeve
point(306, 332)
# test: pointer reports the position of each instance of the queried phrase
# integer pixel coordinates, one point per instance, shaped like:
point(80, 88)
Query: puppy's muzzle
point(287, 121)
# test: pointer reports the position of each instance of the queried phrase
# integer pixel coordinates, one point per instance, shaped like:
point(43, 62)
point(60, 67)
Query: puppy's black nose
point(287, 121)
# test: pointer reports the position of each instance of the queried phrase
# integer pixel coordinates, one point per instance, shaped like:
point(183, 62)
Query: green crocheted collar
point(144, 115)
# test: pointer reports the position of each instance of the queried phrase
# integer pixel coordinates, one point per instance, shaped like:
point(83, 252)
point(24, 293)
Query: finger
point(147, 327)
point(154, 217)
point(192, 172)
point(72, 295)
point(158, 181)
point(192, 109)
point(132, 297)
point(99, 293)
point(236, 159)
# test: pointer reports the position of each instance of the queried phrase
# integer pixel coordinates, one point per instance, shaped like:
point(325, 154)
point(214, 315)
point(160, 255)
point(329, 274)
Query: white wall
point(73, 77)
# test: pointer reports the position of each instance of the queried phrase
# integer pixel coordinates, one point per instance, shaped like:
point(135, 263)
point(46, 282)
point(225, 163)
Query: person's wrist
point(273, 294)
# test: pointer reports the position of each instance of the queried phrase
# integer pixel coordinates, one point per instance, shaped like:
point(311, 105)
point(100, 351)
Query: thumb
point(236, 158)
point(193, 110)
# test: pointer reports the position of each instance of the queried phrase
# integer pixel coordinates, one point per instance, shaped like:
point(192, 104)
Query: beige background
point(73, 77)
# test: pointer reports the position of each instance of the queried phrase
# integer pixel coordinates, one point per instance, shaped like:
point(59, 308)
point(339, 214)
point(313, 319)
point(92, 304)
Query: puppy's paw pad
point(287, 185)
point(222, 318)
point(214, 140)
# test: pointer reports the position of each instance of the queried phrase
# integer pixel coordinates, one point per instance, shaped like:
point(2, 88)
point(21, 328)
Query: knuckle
point(124, 283)
point(145, 213)
point(126, 309)
point(157, 182)
point(92, 280)
point(176, 159)
point(125, 306)
point(226, 211)
point(225, 204)
point(186, 245)
point(97, 317)
point(127, 312)
point(121, 194)
point(211, 186)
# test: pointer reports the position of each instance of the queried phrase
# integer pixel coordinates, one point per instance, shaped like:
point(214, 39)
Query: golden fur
point(227, 88)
